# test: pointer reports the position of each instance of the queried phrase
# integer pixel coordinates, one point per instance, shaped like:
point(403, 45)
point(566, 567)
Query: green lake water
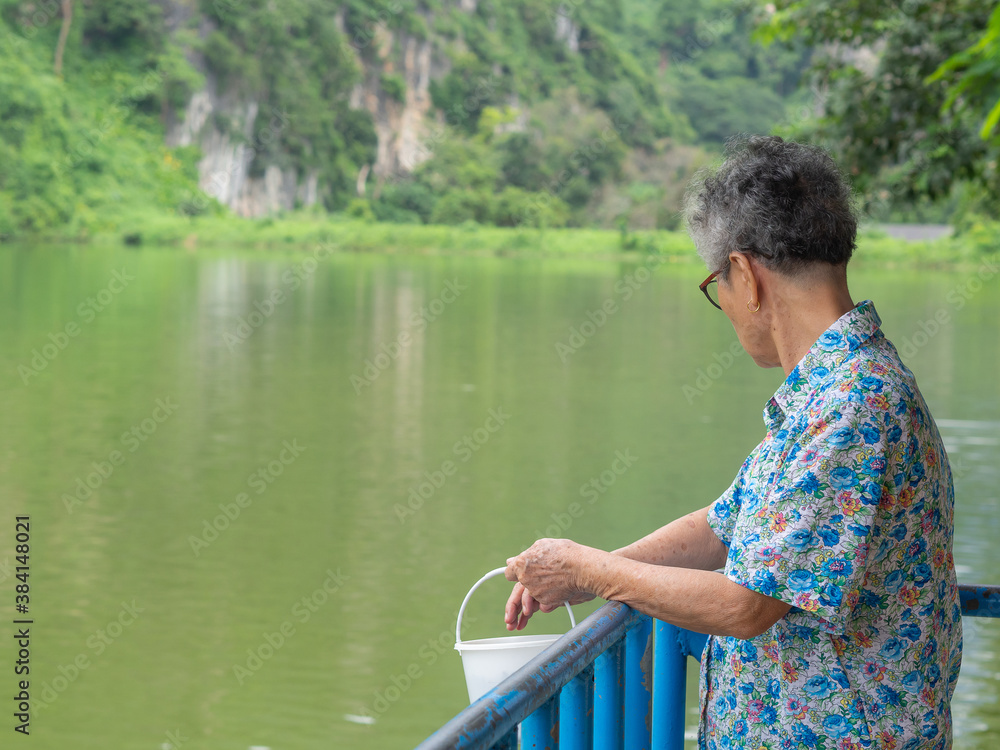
point(260, 484)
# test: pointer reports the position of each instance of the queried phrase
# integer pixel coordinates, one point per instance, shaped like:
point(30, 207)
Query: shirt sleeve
point(722, 514)
point(802, 537)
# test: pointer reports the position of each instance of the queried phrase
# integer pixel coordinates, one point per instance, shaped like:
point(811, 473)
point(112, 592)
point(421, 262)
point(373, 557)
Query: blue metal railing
point(617, 680)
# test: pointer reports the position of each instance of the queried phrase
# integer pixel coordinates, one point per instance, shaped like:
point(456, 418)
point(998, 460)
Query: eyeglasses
point(707, 284)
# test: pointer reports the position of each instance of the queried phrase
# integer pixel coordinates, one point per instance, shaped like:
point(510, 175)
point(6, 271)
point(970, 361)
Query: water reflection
point(651, 379)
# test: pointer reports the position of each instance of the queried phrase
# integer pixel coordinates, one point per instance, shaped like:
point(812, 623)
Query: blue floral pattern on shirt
point(845, 512)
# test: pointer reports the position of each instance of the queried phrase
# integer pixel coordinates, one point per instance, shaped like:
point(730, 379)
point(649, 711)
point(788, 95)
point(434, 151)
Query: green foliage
point(515, 207)
point(465, 91)
point(359, 208)
point(458, 206)
point(179, 79)
point(466, 164)
point(532, 48)
point(77, 154)
point(979, 76)
point(290, 57)
point(548, 106)
point(394, 86)
point(722, 80)
point(120, 24)
point(885, 84)
point(537, 169)
point(720, 107)
point(521, 160)
point(980, 235)
point(224, 57)
point(407, 201)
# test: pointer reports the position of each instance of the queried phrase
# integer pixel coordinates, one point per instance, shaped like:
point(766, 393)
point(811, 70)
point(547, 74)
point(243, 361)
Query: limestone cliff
point(231, 130)
point(402, 127)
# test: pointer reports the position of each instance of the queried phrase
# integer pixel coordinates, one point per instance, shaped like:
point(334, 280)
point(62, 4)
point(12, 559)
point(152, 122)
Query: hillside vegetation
point(549, 113)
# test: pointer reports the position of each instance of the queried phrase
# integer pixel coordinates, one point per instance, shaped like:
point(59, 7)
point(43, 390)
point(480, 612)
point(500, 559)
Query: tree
point(714, 72)
point(979, 80)
point(883, 93)
point(67, 19)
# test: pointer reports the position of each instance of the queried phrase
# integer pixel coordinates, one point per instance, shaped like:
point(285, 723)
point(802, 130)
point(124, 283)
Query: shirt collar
point(851, 331)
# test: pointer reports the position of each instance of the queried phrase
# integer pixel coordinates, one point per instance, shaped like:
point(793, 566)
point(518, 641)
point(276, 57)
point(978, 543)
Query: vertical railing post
point(507, 742)
point(576, 712)
point(540, 730)
point(608, 699)
point(638, 686)
point(564, 720)
point(669, 687)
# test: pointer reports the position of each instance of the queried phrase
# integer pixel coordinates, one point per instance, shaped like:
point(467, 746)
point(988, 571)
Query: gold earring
point(753, 309)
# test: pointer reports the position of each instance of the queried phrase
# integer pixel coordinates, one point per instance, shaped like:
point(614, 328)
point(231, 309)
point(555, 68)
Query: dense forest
point(508, 112)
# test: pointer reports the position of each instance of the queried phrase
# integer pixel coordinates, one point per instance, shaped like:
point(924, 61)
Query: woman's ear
point(743, 279)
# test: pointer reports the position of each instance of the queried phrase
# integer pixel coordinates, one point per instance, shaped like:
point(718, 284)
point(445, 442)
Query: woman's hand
point(520, 606)
point(548, 573)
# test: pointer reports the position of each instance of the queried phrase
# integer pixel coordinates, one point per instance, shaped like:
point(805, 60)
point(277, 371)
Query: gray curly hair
point(784, 203)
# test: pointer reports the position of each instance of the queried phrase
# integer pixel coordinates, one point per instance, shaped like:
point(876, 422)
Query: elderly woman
point(836, 622)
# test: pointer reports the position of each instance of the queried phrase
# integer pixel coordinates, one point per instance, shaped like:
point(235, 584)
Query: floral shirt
point(845, 512)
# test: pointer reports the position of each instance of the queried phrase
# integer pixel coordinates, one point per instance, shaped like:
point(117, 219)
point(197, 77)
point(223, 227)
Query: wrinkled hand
point(548, 573)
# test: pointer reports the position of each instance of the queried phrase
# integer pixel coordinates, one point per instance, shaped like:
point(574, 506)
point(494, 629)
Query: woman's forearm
point(688, 542)
point(699, 600)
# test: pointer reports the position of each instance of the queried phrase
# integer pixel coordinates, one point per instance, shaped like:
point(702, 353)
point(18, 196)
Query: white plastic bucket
point(489, 661)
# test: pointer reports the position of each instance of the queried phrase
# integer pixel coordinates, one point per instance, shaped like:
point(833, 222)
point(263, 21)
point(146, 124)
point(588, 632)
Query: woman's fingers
point(542, 566)
point(529, 605)
point(513, 608)
point(520, 607)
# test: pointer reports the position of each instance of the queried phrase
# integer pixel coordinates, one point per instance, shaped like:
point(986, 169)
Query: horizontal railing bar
point(979, 600)
point(501, 709)
point(498, 712)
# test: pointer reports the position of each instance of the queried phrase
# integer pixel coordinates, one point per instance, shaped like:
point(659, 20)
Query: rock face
point(227, 154)
point(230, 130)
point(401, 127)
point(567, 32)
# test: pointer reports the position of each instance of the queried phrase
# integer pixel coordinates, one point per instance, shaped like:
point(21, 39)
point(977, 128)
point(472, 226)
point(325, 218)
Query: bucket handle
point(476, 585)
